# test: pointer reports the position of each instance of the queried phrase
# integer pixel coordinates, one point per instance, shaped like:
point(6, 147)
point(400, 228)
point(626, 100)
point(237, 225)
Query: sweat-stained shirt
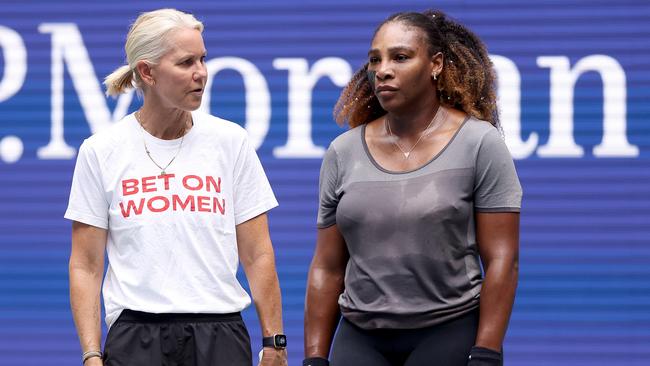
point(411, 235)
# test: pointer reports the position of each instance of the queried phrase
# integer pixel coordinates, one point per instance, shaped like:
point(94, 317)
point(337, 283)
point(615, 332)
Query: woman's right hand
point(94, 361)
point(481, 356)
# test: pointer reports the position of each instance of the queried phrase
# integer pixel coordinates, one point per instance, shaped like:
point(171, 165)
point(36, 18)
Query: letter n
point(561, 142)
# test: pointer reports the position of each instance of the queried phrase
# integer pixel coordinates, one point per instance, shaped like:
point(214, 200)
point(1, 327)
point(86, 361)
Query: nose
point(200, 73)
point(384, 71)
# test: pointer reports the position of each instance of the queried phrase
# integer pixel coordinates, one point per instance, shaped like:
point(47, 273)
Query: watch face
point(280, 340)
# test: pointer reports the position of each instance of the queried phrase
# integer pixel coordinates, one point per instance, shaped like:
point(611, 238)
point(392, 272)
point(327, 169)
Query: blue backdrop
point(575, 97)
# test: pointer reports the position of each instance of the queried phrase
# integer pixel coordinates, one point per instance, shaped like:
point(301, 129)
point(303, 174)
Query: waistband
point(143, 317)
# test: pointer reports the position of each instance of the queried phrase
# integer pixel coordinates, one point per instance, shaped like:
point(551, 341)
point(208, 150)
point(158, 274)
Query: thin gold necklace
point(146, 148)
point(407, 153)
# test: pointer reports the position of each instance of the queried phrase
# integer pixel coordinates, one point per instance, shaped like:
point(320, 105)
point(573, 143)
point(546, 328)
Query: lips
point(385, 88)
point(197, 90)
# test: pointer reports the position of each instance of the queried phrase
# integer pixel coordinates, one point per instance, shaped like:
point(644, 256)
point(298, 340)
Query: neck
point(164, 123)
point(412, 122)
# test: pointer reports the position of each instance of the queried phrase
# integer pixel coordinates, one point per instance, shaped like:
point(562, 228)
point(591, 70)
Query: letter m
point(68, 48)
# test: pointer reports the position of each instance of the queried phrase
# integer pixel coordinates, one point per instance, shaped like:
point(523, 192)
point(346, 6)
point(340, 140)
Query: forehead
point(185, 41)
point(393, 34)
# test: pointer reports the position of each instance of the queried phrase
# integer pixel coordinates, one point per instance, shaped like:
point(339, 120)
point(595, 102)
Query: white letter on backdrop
point(509, 102)
point(258, 98)
point(68, 48)
point(301, 84)
point(561, 141)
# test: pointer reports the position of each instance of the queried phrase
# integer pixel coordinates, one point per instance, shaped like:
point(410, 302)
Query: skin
point(398, 59)
point(174, 86)
point(258, 260)
point(172, 89)
point(400, 62)
point(86, 268)
point(324, 285)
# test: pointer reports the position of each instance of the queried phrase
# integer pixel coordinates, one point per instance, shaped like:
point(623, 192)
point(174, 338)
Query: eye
point(202, 59)
point(401, 57)
point(373, 59)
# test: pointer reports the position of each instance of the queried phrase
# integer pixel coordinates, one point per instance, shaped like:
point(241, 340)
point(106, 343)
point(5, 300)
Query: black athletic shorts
point(446, 344)
point(143, 339)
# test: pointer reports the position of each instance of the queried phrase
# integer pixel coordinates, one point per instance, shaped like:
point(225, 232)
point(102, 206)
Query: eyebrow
point(393, 49)
point(189, 54)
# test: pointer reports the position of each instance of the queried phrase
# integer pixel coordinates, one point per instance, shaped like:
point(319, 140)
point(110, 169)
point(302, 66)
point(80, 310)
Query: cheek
point(418, 78)
point(370, 75)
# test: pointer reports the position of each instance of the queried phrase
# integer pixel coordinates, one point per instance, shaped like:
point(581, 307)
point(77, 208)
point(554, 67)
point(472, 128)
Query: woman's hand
point(94, 361)
point(481, 356)
point(273, 357)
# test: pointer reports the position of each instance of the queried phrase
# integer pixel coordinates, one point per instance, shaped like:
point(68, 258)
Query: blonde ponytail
point(119, 81)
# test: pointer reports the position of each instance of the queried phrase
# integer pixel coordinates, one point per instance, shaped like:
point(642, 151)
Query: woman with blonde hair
point(176, 198)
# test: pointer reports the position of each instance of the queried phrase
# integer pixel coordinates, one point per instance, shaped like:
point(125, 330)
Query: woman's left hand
point(273, 357)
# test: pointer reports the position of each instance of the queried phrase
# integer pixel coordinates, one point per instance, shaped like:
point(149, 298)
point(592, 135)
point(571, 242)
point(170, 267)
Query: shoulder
point(348, 140)
point(475, 138)
point(476, 130)
point(476, 135)
point(113, 137)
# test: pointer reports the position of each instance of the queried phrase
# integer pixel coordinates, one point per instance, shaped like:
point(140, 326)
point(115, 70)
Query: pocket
point(108, 344)
point(233, 337)
point(130, 344)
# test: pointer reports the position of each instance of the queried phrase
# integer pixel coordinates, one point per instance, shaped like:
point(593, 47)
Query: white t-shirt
point(171, 246)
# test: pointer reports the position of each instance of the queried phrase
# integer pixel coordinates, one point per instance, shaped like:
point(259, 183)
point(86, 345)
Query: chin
point(389, 105)
point(192, 106)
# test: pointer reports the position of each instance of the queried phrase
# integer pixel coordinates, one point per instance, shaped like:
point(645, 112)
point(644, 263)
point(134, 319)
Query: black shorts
point(446, 344)
point(143, 339)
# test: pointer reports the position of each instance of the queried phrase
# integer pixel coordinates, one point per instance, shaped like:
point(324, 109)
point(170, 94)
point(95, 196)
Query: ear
point(145, 70)
point(437, 62)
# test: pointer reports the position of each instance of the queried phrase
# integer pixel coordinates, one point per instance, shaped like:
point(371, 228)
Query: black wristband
point(315, 361)
point(481, 356)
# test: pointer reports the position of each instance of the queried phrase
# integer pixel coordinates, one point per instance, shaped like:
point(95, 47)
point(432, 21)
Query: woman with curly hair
point(418, 222)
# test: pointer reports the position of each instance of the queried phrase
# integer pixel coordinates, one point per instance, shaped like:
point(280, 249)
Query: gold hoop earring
point(434, 77)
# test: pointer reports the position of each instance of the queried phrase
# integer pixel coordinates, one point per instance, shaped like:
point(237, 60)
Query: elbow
point(262, 262)
point(515, 273)
point(510, 268)
point(505, 269)
point(86, 268)
point(323, 279)
point(514, 264)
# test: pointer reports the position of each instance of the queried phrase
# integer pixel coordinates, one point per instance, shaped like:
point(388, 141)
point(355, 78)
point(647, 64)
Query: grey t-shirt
point(411, 235)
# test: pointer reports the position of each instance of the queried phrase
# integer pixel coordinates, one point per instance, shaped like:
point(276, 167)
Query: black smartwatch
point(277, 341)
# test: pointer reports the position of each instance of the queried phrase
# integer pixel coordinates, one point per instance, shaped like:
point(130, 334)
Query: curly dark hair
point(467, 80)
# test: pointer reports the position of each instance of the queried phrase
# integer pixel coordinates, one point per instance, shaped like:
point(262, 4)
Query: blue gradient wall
point(575, 96)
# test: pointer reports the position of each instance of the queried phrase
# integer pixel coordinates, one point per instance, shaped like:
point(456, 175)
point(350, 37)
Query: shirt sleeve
point(252, 191)
point(328, 186)
point(87, 202)
point(496, 185)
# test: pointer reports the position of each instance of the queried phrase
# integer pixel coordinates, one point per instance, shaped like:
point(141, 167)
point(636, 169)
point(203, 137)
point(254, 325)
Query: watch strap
point(277, 341)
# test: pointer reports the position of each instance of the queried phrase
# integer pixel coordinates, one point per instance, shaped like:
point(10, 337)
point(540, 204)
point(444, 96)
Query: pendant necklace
point(407, 153)
point(146, 148)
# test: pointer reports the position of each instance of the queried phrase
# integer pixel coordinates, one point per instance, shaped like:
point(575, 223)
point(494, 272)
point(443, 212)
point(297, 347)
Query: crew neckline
point(162, 142)
point(435, 157)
